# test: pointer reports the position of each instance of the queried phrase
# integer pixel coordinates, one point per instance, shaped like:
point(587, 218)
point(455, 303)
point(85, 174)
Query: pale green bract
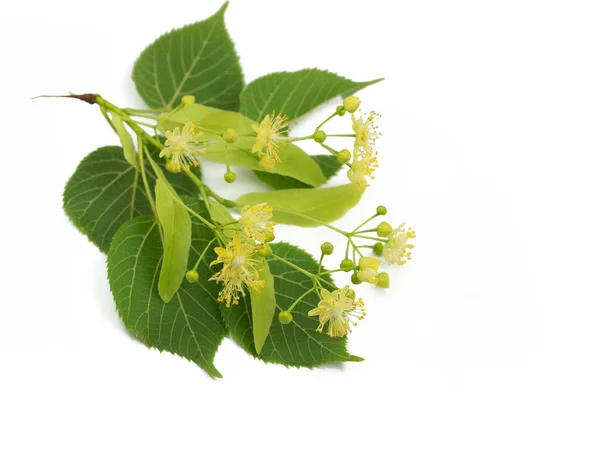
point(295, 163)
point(177, 238)
point(263, 308)
point(306, 207)
point(126, 141)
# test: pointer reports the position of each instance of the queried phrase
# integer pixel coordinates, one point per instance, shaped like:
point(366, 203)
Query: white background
point(488, 339)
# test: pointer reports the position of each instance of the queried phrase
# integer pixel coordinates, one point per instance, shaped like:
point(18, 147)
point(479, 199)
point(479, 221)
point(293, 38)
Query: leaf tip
point(354, 358)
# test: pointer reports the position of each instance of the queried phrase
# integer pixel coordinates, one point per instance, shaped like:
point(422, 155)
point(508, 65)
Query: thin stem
point(314, 220)
point(300, 298)
point(365, 231)
point(143, 115)
point(144, 175)
point(320, 264)
point(326, 120)
point(204, 253)
point(291, 264)
point(341, 135)
point(365, 222)
point(372, 238)
point(133, 111)
point(303, 138)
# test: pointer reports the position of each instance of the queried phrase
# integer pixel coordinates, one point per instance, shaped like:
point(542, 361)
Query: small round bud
point(327, 248)
point(230, 176)
point(230, 136)
point(347, 265)
point(192, 276)
point(172, 166)
point(343, 156)
point(320, 136)
point(384, 229)
point(188, 100)
point(265, 251)
point(351, 103)
point(340, 110)
point(269, 236)
point(378, 248)
point(383, 280)
point(351, 294)
point(381, 210)
point(354, 278)
point(285, 317)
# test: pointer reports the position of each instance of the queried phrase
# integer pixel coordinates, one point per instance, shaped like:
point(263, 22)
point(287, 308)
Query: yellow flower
point(362, 168)
point(338, 309)
point(254, 221)
point(182, 147)
point(268, 139)
point(396, 249)
point(367, 269)
point(366, 131)
point(239, 270)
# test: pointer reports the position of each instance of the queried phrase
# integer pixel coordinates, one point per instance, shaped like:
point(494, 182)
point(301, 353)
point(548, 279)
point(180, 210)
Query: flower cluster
point(269, 136)
point(240, 260)
point(364, 160)
point(182, 147)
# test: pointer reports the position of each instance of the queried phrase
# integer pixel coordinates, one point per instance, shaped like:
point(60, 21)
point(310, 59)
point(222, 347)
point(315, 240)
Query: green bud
point(347, 265)
point(269, 236)
point(381, 210)
point(354, 278)
point(327, 248)
point(343, 156)
point(320, 136)
point(383, 280)
point(351, 294)
point(230, 176)
point(378, 248)
point(285, 317)
point(384, 229)
point(188, 100)
point(172, 166)
point(265, 251)
point(192, 276)
point(351, 103)
point(340, 110)
point(230, 136)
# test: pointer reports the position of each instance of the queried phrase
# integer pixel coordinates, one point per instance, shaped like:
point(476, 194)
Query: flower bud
point(354, 278)
point(384, 229)
point(383, 280)
point(340, 110)
point(230, 136)
point(351, 103)
point(230, 176)
point(172, 166)
point(343, 156)
point(327, 248)
point(351, 294)
point(285, 317)
point(347, 265)
point(265, 251)
point(378, 248)
point(269, 236)
point(381, 210)
point(320, 136)
point(188, 100)
point(192, 276)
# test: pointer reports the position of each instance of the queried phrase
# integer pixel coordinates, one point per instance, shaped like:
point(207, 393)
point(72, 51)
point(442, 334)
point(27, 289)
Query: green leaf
point(106, 191)
point(328, 163)
point(198, 59)
point(263, 308)
point(190, 325)
point(294, 163)
point(295, 93)
point(177, 239)
point(306, 207)
point(297, 343)
point(126, 141)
